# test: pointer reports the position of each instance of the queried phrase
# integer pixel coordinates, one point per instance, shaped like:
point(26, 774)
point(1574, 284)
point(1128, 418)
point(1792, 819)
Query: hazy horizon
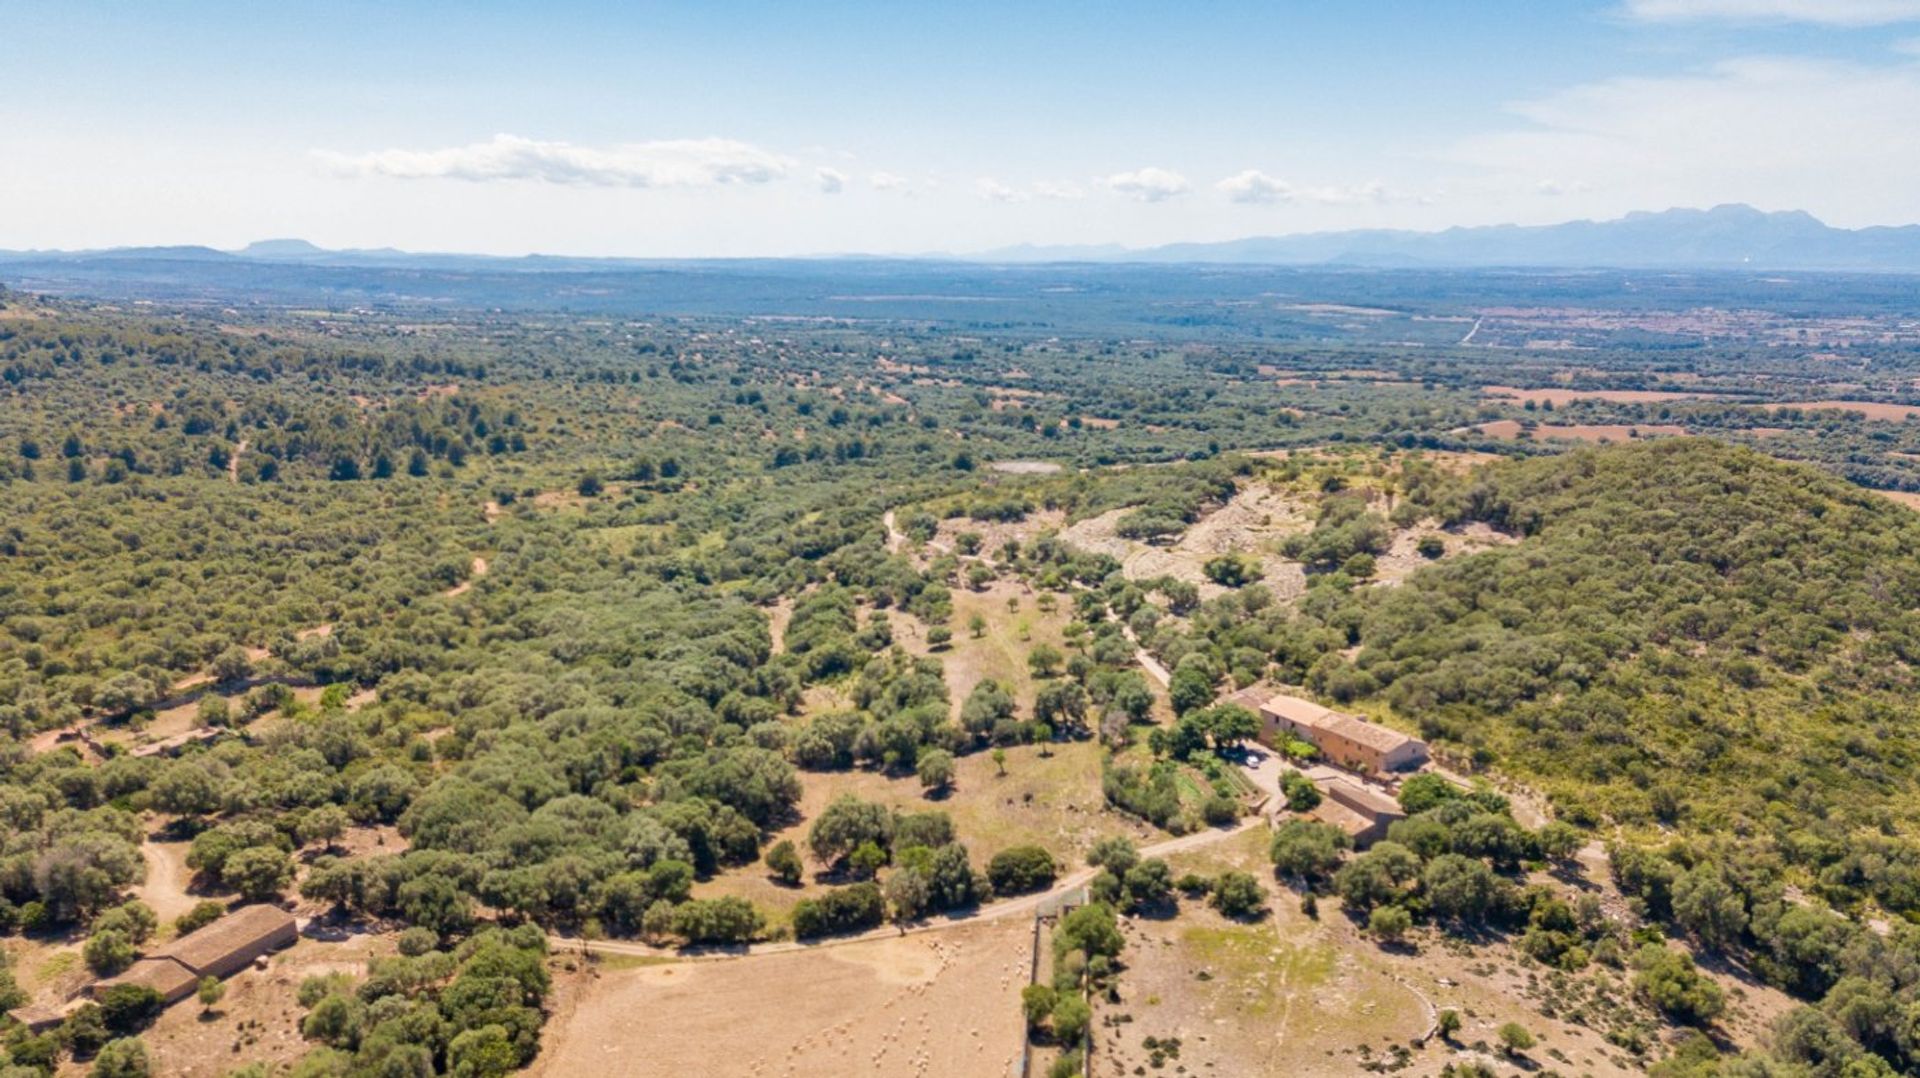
point(590, 129)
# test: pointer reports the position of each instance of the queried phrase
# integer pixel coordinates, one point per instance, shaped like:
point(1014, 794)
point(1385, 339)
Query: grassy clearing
point(1052, 800)
point(1250, 959)
point(1014, 627)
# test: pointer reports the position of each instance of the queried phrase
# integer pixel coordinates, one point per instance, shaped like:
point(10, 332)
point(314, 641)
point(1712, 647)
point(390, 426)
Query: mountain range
point(1725, 237)
point(1730, 237)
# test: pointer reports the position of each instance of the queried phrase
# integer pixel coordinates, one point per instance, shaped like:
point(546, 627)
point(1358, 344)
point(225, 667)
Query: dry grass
point(1250, 523)
point(1051, 800)
point(1510, 429)
point(930, 1005)
point(1872, 410)
point(1278, 996)
point(1559, 397)
point(259, 1018)
point(1015, 625)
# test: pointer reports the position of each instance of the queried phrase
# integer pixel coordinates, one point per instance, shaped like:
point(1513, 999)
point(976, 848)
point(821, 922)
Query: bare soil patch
point(778, 615)
point(1404, 557)
point(928, 1005)
point(477, 570)
point(1251, 521)
point(1510, 429)
point(1893, 413)
point(165, 888)
point(1025, 467)
point(1558, 397)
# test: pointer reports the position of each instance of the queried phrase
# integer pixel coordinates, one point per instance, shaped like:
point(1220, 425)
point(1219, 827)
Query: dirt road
point(1154, 668)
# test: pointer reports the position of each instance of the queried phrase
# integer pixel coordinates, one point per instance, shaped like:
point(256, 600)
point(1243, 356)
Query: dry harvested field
point(1908, 498)
point(1509, 429)
point(1277, 996)
point(1892, 413)
point(1025, 467)
point(929, 1005)
point(1559, 397)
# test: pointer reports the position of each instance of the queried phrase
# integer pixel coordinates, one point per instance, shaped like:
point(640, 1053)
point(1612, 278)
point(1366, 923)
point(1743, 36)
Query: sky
point(836, 126)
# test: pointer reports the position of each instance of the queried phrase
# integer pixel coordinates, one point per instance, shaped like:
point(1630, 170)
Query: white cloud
point(1149, 184)
point(994, 191)
point(710, 162)
point(1824, 12)
point(832, 181)
point(1831, 137)
point(887, 181)
point(1371, 193)
point(1255, 186)
point(1062, 191)
point(1555, 188)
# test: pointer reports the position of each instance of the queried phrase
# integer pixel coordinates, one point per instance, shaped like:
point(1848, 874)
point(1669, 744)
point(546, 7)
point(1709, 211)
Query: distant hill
point(291, 249)
point(1724, 237)
point(1730, 237)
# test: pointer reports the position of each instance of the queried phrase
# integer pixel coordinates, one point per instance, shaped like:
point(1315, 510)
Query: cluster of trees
point(1085, 955)
point(105, 1032)
point(926, 869)
point(472, 1009)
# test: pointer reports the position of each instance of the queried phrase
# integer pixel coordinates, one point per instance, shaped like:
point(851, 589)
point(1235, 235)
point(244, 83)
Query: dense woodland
point(1703, 655)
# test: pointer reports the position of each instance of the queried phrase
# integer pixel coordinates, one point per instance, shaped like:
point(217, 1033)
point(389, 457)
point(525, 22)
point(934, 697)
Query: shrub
point(1071, 1016)
point(124, 1058)
point(843, 909)
point(784, 861)
point(1238, 894)
point(1389, 923)
point(1020, 869)
point(1668, 981)
point(108, 952)
point(1036, 1001)
point(200, 916)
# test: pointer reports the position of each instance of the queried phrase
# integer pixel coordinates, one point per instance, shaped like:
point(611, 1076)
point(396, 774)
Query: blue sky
point(748, 128)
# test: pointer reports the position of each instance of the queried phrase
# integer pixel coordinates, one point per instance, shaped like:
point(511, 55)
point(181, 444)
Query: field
point(929, 1005)
point(1049, 798)
point(1015, 625)
point(1510, 429)
point(1892, 413)
point(1561, 397)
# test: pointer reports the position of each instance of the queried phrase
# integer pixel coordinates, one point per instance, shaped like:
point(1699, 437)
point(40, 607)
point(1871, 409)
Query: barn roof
point(164, 975)
point(238, 931)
